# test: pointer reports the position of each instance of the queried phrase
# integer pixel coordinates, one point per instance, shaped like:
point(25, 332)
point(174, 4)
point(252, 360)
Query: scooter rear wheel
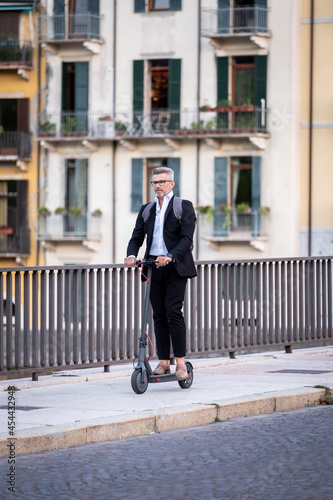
point(187, 382)
point(138, 386)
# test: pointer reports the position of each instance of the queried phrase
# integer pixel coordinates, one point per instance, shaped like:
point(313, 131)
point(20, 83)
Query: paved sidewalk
point(83, 406)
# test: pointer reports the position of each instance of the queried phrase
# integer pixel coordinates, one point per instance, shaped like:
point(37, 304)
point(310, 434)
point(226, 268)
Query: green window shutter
point(64, 87)
point(81, 95)
point(222, 78)
point(137, 183)
point(174, 87)
point(93, 6)
point(175, 5)
point(256, 194)
point(59, 19)
point(138, 87)
point(223, 16)
point(174, 163)
point(260, 78)
point(221, 194)
point(22, 204)
point(139, 6)
point(81, 86)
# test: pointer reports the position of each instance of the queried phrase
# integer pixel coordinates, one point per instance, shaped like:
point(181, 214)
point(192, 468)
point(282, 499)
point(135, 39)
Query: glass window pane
point(244, 88)
point(161, 4)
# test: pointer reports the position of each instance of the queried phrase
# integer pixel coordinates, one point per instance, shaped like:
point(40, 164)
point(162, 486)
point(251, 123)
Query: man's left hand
point(162, 260)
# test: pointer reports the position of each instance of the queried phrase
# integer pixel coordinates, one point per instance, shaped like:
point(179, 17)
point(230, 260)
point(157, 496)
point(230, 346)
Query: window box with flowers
point(206, 211)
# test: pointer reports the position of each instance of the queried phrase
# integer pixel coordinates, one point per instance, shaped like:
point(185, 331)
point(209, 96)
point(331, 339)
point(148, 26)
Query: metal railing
point(252, 223)
point(69, 27)
point(214, 123)
point(15, 242)
point(17, 144)
point(12, 52)
point(234, 21)
point(73, 316)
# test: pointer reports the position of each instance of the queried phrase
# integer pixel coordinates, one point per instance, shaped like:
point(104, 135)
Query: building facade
point(210, 88)
point(19, 70)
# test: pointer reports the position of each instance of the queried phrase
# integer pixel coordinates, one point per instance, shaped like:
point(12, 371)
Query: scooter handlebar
point(139, 262)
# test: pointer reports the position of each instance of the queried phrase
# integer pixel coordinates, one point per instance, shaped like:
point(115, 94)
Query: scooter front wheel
point(187, 382)
point(138, 386)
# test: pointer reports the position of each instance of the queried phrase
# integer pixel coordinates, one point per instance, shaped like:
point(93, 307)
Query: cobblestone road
point(283, 456)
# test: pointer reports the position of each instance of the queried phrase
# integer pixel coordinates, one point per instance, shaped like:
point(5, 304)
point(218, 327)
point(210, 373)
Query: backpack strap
point(177, 207)
point(146, 211)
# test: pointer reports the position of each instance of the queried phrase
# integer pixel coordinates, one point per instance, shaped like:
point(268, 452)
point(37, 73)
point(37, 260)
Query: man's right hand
point(129, 261)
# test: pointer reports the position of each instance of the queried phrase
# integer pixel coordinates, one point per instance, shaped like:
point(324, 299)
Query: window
point(14, 231)
point(14, 122)
point(75, 81)
point(76, 19)
point(76, 174)
point(237, 184)
point(163, 94)
point(241, 193)
point(157, 5)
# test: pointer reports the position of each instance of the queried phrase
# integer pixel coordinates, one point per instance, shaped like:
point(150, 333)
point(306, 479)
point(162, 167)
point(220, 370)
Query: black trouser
point(167, 296)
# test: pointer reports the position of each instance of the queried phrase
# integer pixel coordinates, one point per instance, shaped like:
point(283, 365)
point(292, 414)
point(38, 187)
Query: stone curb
point(108, 429)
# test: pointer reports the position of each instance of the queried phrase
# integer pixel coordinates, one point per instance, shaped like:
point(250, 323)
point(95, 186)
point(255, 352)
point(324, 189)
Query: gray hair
point(164, 170)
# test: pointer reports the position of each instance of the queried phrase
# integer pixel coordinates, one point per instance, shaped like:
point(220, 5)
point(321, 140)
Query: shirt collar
point(167, 197)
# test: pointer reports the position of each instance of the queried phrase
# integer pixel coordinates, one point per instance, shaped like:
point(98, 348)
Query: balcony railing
point(252, 224)
point(70, 227)
point(14, 241)
point(232, 121)
point(15, 144)
point(234, 21)
point(69, 27)
point(14, 53)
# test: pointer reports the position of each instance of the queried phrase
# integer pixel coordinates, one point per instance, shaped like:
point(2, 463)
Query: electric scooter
point(143, 374)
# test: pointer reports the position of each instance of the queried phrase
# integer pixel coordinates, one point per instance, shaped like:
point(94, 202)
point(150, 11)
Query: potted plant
point(47, 129)
point(120, 128)
point(226, 210)
point(61, 211)
point(76, 211)
point(43, 212)
point(206, 210)
point(97, 212)
point(243, 208)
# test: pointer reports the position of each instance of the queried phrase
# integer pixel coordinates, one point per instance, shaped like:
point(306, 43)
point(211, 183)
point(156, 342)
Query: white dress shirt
point(158, 246)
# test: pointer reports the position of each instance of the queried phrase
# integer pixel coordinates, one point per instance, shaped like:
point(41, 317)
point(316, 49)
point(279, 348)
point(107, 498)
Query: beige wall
point(322, 145)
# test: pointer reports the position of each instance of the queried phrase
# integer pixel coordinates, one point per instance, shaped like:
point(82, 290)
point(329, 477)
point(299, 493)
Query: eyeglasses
point(159, 183)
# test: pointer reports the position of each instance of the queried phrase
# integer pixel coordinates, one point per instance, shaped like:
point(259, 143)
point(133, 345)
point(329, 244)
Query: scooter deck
point(170, 377)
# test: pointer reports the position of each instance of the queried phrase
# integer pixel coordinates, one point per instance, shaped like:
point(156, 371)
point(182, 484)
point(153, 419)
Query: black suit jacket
point(178, 236)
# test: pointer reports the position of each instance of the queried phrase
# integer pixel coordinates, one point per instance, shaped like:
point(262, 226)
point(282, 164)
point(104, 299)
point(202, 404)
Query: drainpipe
point(38, 143)
point(114, 145)
point(310, 129)
point(198, 119)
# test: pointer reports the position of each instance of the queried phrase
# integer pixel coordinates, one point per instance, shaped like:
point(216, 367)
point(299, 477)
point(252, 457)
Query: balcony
point(233, 122)
point(15, 54)
point(68, 227)
point(237, 23)
point(250, 227)
point(71, 28)
point(14, 242)
point(15, 145)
